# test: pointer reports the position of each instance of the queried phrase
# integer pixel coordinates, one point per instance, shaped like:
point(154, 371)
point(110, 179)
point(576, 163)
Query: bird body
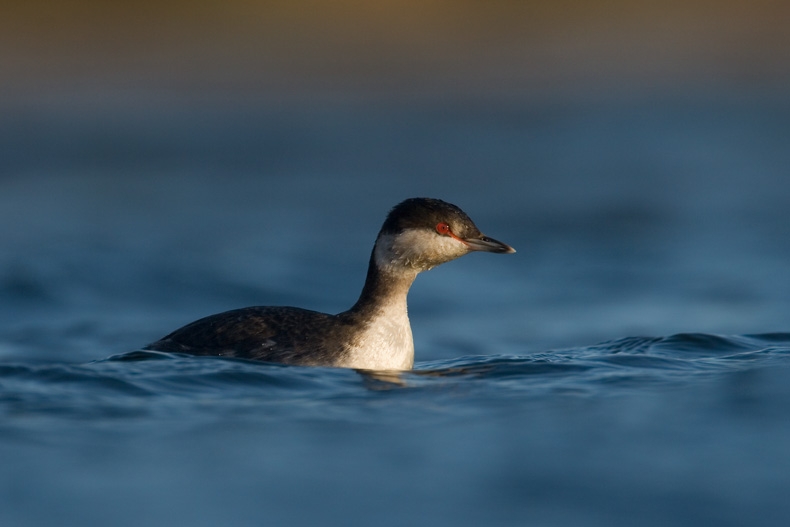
point(375, 333)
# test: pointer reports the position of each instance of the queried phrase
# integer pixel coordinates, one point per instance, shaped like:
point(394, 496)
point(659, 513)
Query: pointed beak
point(489, 245)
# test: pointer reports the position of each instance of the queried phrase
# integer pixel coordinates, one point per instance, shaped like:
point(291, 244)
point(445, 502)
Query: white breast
point(385, 343)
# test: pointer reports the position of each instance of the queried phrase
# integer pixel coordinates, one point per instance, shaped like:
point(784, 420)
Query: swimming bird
point(374, 334)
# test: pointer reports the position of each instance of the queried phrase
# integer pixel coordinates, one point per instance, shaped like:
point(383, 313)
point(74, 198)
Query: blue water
point(630, 365)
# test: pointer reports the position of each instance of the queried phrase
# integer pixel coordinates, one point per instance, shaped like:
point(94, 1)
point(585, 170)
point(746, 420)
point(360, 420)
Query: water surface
point(628, 366)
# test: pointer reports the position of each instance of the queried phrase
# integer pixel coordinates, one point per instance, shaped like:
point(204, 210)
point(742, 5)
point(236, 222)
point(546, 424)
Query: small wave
point(627, 362)
point(150, 382)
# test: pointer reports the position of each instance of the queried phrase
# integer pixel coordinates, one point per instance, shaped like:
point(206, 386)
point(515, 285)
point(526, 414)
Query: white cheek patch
point(417, 249)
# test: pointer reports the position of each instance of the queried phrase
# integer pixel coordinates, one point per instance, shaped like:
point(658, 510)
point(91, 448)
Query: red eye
point(443, 228)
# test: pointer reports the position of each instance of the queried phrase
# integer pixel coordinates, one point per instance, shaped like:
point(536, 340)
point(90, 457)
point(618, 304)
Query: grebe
point(375, 334)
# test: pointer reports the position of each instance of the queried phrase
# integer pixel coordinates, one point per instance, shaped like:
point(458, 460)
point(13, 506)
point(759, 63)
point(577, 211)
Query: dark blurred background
point(347, 49)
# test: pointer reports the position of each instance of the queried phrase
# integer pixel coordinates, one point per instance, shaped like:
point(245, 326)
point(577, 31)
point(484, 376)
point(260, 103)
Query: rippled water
point(687, 429)
point(659, 228)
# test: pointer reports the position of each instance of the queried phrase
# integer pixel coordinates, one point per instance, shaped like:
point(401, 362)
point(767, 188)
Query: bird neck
point(382, 338)
point(386, 287)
